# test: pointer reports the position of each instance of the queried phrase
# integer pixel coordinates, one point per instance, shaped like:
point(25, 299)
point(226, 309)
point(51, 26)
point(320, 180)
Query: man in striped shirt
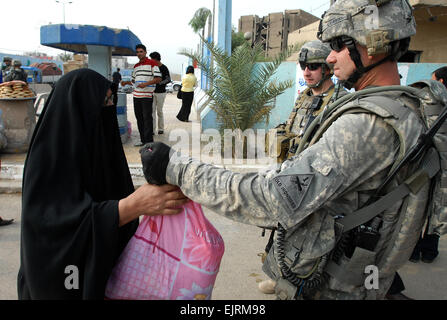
point(145, 76)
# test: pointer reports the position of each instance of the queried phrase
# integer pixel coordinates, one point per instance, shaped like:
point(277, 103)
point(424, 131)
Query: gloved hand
point(155, 159)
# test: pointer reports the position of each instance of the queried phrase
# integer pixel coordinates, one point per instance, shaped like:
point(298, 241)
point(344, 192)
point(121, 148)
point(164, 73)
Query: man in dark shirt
point(116, 81)
point(160, 92)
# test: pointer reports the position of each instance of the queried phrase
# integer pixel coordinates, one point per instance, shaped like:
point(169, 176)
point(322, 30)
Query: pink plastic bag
point(169, 258)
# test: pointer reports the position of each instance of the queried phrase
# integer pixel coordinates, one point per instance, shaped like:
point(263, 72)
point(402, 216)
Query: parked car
point(173, 86)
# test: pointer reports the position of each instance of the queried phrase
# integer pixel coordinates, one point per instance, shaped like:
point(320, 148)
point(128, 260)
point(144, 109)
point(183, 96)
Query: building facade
point(272, 31)
point(429, 45)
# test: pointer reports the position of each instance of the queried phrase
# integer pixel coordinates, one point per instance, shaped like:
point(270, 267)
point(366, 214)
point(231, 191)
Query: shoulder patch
point(293, 188)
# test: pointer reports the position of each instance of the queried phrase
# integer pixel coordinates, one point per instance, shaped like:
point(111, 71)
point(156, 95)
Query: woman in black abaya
point(79, 208)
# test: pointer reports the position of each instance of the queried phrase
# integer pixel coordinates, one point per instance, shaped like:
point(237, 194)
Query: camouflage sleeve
point(438, 212)
point(355, 148)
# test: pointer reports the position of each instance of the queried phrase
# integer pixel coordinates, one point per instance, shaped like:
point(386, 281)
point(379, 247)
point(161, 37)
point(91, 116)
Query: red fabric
point(147, 61)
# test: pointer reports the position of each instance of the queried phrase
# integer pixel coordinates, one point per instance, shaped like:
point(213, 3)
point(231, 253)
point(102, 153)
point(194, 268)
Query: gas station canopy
point(75, 38)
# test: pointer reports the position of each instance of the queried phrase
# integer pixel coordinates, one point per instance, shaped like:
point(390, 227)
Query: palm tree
point(242, 90)
point(199, 19)
point(198, 22)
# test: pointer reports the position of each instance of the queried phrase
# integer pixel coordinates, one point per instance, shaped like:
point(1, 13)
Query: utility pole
point(63, 2)
point(213, 20)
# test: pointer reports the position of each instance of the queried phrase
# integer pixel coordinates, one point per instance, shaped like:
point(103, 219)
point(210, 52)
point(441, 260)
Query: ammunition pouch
point(278, 144)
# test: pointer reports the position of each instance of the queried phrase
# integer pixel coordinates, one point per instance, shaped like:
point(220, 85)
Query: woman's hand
point(151, 200)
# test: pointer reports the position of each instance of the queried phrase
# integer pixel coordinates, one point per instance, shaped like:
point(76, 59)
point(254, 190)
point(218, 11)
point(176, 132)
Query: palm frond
point(199, 19)
point(243, 90)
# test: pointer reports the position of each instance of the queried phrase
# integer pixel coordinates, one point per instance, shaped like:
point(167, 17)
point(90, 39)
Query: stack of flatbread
point(15, 90)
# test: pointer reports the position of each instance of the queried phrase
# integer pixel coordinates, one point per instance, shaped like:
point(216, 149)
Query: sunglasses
point(339, 43)
point(310, 66)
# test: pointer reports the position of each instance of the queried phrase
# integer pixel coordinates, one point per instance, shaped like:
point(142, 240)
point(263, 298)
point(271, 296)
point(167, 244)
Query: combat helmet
point(316, 52)
point(7, 59)
point(382, 26)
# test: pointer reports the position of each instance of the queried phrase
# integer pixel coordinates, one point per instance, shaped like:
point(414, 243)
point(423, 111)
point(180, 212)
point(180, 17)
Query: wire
point(327, 3)
point(314, 279)
point(301, 290)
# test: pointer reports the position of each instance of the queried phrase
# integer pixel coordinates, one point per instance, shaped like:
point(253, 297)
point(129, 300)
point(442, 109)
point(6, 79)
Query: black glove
point(155, 159)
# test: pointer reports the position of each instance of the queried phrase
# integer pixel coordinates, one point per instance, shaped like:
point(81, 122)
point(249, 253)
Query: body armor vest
point(341, 275)
point(288, 135)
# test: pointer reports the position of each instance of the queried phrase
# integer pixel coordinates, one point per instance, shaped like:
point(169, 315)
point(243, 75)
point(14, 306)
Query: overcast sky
point(161, 25)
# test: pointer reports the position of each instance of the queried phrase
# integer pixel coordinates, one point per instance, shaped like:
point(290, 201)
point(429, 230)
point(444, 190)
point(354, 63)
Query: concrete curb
point(11, 175)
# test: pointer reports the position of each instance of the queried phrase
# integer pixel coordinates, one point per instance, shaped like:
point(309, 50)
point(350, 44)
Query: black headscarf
point(75, 174)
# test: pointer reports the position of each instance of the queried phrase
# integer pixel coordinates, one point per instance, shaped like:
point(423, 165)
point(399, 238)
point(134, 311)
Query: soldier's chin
point(338, 75)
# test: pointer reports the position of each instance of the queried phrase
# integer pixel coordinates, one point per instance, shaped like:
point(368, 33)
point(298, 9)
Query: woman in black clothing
point(189, 81)
point(79, 207)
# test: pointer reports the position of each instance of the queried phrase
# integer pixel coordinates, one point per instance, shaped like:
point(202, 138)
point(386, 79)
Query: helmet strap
point(360, 69)
point(323, 77)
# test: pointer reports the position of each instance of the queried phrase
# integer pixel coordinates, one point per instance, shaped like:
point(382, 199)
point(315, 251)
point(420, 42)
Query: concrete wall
point(413, 72)
point(247, 23)
point(273, 30)
point(427, 2)
point(298, 19)
point(300, 36)
point(431, 34)
point(275, 34)
point(283, 103)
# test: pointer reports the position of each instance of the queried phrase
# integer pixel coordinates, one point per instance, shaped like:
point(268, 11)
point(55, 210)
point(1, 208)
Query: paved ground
point(240, 269)
point(171, 108)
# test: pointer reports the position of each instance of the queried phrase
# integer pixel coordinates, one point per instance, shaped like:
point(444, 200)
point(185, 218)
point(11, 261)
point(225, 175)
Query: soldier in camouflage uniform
point(16, 73)
point(336, 175)
point(6, 67)
point(311, 102)
point(320, 92)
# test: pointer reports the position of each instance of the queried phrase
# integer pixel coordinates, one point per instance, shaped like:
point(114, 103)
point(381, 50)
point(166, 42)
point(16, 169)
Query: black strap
point(360, 69)
point(430, 168)
point(270, 243)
